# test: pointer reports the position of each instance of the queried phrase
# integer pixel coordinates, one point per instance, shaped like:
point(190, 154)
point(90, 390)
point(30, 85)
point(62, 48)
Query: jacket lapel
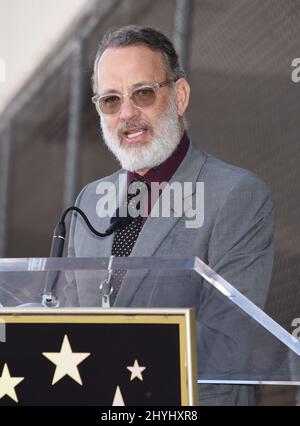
point(156, 230)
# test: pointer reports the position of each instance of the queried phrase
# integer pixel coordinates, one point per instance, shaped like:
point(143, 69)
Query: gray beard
point(165, 140)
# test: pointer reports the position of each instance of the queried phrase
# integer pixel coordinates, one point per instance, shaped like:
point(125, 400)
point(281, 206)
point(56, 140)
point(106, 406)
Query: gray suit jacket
point(236, 240)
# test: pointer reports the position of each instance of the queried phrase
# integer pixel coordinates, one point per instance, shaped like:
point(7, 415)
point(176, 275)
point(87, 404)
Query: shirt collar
point(164, 171)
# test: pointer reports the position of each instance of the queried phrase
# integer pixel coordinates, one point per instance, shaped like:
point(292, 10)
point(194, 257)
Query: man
point(141, 95)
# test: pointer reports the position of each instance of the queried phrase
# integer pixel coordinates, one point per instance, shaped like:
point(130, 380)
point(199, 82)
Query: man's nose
point(128, 109)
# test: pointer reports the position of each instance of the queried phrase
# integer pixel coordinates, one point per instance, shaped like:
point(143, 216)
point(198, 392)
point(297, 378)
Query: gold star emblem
point(8, 384)
point(66, 362)
point(136, 371)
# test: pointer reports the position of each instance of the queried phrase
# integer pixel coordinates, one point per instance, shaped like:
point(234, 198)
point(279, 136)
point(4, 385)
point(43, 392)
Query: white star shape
point(66, 362)
point(136, 371)
point(8, 384)
point(118, 398)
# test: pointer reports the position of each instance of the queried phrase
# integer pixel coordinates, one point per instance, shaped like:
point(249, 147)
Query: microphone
point(59, 234)
point(116, 223)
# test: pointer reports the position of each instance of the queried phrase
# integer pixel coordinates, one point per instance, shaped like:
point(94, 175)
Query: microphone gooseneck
point(117, 222)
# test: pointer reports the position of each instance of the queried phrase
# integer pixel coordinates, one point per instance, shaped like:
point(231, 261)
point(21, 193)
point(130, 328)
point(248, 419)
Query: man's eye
point(145, 92)
point(110, 100)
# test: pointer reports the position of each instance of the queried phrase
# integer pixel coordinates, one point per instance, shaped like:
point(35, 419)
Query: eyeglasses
point(142, 97)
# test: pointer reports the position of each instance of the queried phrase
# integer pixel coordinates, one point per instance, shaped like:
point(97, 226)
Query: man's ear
point(182, 95)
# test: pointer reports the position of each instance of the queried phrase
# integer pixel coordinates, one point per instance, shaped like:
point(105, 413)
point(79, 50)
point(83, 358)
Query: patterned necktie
point(125, 238)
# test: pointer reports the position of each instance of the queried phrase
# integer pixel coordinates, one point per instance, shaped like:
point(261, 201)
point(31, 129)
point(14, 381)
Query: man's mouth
point(136, 134)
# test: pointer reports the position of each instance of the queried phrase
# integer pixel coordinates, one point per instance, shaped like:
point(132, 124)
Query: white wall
point(28, 30)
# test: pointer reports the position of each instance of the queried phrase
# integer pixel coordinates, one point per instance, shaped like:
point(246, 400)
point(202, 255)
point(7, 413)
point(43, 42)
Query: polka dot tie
point(125, 238)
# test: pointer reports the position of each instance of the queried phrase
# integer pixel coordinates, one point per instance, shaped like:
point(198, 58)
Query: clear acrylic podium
point(237, 342)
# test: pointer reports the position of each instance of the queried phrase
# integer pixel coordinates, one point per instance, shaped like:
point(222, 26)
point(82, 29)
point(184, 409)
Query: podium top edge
point(94, 263)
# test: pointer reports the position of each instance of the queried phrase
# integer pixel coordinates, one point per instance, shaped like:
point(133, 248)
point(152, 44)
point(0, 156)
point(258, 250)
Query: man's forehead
point(129, 66)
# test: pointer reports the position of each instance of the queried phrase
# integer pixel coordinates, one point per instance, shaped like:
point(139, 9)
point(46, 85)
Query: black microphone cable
point(59, 235)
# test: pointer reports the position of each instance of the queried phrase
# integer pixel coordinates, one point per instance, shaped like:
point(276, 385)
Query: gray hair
point(137, 35)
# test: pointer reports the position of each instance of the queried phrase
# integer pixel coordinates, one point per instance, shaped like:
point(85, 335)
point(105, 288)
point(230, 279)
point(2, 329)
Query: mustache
point(131, 125)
